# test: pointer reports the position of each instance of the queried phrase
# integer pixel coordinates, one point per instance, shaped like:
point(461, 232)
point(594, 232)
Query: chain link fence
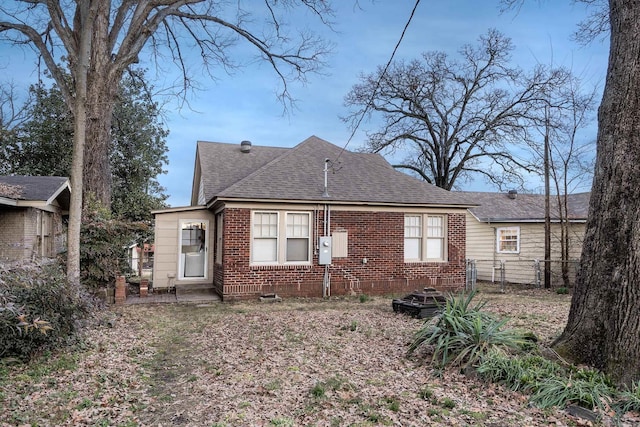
point(502, 273)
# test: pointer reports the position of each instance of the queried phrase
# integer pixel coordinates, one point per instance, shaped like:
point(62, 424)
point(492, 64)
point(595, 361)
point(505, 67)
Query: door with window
point(193, 249)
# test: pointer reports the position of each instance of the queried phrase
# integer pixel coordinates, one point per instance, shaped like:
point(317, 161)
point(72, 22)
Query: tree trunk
point(102, 89)
point(80, 70)
point(604, 320)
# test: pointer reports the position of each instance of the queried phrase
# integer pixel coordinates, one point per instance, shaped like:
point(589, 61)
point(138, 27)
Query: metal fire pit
point(421, 305)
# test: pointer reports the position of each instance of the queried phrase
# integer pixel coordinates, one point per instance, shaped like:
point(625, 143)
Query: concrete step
point(194, 287)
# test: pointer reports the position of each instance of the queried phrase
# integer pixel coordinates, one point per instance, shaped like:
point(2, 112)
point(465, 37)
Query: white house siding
point(165, 265)
point(519, 267)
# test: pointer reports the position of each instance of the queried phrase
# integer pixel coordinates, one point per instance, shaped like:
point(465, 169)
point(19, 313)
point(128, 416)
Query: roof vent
point(245, 146)
point(513, 194)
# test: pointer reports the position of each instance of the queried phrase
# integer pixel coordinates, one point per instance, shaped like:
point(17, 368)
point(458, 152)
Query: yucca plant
point(463, 333)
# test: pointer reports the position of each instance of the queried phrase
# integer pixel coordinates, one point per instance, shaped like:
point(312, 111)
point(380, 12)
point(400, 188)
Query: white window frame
point(282, 237)
point(499, 239)
point(181, 263)
point(219, 234)
point(425, 237)
point(255, 237)
point(296, 227)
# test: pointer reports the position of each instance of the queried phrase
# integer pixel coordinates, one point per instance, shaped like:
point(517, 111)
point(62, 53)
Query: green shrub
point(103, 241)
point(463, 333)
point(562, 291)
point(38, 309)
point(364, 298)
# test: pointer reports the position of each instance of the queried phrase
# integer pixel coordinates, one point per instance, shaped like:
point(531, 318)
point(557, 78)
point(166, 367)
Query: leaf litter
point(340, 362)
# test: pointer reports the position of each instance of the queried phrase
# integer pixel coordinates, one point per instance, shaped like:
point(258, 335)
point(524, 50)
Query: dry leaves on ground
point(296, 363)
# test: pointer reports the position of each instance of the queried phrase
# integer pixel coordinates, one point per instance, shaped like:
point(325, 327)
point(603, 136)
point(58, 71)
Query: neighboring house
point(141, 259)
point(31, 217)
point(509, 228)
point(263, 222)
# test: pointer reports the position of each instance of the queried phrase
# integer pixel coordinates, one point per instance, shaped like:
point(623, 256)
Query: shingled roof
point(36, 188)
point(505, 207)
point(297, 174)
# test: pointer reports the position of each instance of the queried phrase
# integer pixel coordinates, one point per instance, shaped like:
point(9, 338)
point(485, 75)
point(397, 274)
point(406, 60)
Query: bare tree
point(571, 160)
point(568, 159)
point(455, 118)
point(12, 114)
point(96, 40)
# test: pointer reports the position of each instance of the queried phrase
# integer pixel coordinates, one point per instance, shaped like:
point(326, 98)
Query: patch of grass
point(629, 400)
point(549, 383)
point(86, 403)
point(49, 364)
point(587, 388)
point(281, 421)
point(334, 383)
point(318, 390)
point(448, 403)
point(393, 404)
point(364, 298)
point(425, 393)
point(522, 373)
point(562, 291)
point(478, 416)
point(434, 413)
point(273, 385)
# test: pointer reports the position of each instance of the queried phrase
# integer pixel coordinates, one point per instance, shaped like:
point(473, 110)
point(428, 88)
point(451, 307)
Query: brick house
point(31, 217)
point(313, 220)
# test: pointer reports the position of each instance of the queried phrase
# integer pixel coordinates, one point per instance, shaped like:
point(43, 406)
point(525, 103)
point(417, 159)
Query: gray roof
point(34, 188)
point(500, 207)
point(296, 174)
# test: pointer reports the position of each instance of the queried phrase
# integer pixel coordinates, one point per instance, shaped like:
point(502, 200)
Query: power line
point(384, 71)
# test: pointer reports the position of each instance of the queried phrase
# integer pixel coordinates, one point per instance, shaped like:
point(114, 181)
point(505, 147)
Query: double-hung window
point(508, 240)
point(297, 237)
point(281, 237)
point(265, 237)
point(424, 237)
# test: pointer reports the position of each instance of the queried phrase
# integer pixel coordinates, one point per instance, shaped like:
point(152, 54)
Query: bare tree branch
point(452, 115)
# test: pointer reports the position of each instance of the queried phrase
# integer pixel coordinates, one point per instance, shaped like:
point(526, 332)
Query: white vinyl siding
point(508, 240)
point(281, 238)
point(419, 246)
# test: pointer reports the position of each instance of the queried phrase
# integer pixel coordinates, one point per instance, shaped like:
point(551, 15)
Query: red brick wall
point(376, 236)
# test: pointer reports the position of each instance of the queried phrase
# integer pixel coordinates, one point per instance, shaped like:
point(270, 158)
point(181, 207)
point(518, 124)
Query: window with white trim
point(281, 237)
point(219, 230)
point(508, 240)
point(265, 237)
point(424, 243)
point(297, 237)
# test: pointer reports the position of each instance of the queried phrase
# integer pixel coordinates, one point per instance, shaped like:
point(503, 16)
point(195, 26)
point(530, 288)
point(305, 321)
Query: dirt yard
point(340, 362)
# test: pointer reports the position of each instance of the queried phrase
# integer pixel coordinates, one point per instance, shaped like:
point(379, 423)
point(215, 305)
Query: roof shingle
point(34, 188)
point(297, 174)
point(524, 207)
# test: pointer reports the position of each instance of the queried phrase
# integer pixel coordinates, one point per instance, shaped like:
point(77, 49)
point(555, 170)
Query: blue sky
point(244, 106)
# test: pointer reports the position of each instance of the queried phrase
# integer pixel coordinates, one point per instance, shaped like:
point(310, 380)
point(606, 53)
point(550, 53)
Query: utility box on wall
point(324, 254)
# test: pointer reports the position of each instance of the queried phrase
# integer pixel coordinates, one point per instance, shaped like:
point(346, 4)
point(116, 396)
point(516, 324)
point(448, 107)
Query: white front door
point(193, 249)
